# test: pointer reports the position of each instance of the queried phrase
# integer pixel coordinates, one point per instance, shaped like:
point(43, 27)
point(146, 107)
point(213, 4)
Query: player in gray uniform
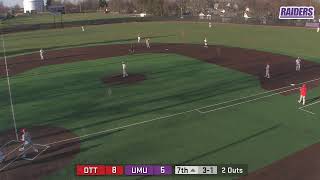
point(139, 38)
point(267, 71)
point(205, 42)
point(27, 142)
point(298, 64)
point(41, 54)
point(148, 42)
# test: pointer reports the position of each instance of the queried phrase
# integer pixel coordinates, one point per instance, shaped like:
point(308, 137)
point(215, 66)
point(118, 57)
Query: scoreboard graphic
point(161, 170)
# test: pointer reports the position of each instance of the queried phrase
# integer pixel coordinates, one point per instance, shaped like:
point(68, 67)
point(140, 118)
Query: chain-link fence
point(215, 19)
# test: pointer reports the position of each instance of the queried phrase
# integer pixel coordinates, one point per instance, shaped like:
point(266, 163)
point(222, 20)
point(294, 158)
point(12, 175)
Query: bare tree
point(3, 8)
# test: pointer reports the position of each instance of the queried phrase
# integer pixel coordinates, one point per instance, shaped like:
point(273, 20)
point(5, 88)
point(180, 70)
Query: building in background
point(33, 6)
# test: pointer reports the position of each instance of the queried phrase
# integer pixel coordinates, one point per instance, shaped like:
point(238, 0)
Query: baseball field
point(182, 103)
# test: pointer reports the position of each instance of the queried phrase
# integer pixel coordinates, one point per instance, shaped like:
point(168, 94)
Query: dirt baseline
point(248, 61)
point(304, 164)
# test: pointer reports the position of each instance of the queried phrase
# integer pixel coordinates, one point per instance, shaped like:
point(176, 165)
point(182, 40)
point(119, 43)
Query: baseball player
point(318, 29)
point(303, 94)
point(27, 141)
point(139, 38)
point(41, 54)
point(210, 25)
point(148, 42)
point(205, 42)
point(82, 28)
point(298, 64)
point(124, 70)
point(267, 71)
point(131, 50)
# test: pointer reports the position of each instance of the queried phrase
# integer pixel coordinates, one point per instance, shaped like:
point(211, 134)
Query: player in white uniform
point(124, 70)
point(205, 42)
point(82, 28)
point(148, 42)
point(139, 38)
point(298, 64)
point(267, 71)
point(210, 25)
point(41, 54)
point(27, 141)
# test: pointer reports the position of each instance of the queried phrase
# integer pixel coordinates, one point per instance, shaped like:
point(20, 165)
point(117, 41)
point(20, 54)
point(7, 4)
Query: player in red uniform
point(303, 94)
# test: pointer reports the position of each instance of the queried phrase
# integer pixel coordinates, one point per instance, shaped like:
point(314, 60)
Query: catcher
point(27, 142)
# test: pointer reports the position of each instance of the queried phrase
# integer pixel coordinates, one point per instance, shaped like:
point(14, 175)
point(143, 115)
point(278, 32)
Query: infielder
point(139, 38)
point(210, 25)
point(205, 42)
point(148, 42)
point(27, 141)
point(267, 71)
point(124, 70)
point(41, 54)
point(298, 64)
point(303, 94)
point(131, 50)
point(82, 28)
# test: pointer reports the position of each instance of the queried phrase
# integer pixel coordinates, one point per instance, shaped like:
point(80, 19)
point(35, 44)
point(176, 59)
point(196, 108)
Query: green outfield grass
point(285, 40)
point(49, 18)
point(72, 96)
point(255, 133)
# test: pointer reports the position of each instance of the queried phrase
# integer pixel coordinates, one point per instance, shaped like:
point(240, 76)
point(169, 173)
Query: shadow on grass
point(200, 156)
point(32, 50)
point(313, 99)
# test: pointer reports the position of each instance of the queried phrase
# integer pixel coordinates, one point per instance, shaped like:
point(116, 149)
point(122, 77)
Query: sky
point(20, 2)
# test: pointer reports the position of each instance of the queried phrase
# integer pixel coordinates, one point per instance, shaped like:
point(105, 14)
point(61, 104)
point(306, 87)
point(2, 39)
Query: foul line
point(18, 156)
point(42, 151)
point(251, 100)
point(9, 142)
point(310, 112)
point(176, 114)
point(266, 92)
point(14, 160)
point(121, 127)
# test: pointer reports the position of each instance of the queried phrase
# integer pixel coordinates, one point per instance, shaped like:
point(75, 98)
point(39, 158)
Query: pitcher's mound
point(118, 79)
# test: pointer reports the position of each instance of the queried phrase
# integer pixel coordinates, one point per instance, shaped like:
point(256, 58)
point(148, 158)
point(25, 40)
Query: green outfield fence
point(61, 24)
